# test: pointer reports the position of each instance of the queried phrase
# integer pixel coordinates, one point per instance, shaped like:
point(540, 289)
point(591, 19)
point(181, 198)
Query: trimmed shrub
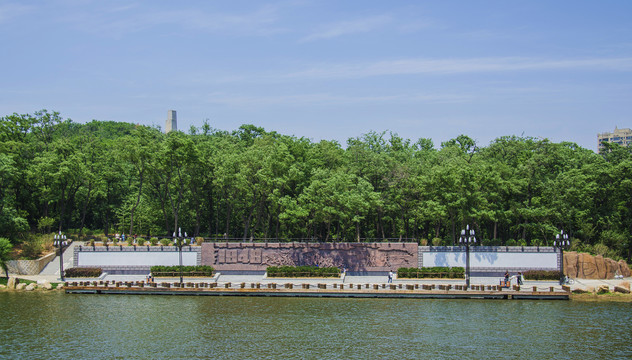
point(302, 271)
point(140, 241)
point(83, 272)
point(197, 270)
point(164, 242)
point(153, 241)
point(199, 240)
point(431, 272)
point(541, 275)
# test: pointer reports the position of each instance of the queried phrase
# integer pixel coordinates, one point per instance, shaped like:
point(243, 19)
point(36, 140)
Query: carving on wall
point(352, 256)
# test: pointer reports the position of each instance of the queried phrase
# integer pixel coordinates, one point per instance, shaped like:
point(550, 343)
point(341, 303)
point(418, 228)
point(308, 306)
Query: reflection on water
point(55, 325)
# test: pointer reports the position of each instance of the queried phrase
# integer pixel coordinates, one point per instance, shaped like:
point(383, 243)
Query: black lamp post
point(467, 238)
point(179, 242)
point(561, 242)
point(60, 241)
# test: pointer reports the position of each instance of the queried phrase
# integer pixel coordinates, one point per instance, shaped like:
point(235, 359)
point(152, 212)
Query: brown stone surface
point(601, 267)
point(570, 264)
point(624, 269)
point(353, 256)
point(611, 268)
point(587, 267)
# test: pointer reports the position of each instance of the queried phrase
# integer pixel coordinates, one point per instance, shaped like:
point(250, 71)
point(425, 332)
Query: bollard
point(335, 286)
point(535, 289)
point(376, 287)
point(288, 286)
point(410, 287)
point(227, 285)
point(416, 286)
point(551, 289)
point(383, 286)
point(367, 286)
point(359, 286)
point(342, 286)
point(400, 286)
point(393, 287)
point(258, 285)
point(566, 288)
point(252, 285)
point(242, 285)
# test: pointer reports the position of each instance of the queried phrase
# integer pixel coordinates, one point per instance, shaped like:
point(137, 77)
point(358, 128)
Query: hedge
point(302, 271)
point(83, 272)
point(431, 272)
point(197, 270)
point(541, 274)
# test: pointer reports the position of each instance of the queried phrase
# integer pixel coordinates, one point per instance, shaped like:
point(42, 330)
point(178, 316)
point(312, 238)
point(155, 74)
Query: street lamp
point(179, 242)
point(467, 238)
point(561, 242)
point(60, 241)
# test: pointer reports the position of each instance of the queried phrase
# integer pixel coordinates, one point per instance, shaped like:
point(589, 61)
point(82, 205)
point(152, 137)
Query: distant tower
point(172, 121)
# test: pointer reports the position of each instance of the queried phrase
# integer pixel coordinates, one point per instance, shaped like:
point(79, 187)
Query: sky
point(329, 70)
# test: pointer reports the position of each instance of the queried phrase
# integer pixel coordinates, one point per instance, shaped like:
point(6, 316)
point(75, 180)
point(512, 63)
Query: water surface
point(64, 326)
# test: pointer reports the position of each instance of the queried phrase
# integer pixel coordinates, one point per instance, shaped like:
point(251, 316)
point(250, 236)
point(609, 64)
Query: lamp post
point(467, 238)
point(561, 242)
point(180, 242)
point(60, 241)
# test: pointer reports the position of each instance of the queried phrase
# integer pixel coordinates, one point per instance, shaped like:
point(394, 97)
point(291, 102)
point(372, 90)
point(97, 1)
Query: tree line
point(109, 177)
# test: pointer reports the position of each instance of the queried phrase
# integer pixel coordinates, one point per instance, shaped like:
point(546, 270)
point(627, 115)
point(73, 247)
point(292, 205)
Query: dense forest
point(105, 177)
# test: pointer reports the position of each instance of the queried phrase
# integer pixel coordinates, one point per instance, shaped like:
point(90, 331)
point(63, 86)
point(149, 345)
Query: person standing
point(519, 278)
point(390, 276)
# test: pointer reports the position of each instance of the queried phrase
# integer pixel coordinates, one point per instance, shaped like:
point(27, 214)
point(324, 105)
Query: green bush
point(153, 241)
point(437, 242)
point(199, 240)
point(140, 241)
point(129, 240)
point(80, 272)
point(164, 242)
point(197, 270)
point(541, 275)
point(431, 272)
point(302, 271)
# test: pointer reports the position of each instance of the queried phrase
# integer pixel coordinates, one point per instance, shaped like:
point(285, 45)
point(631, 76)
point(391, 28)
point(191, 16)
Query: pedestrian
point(519, 278)
point(390, 276)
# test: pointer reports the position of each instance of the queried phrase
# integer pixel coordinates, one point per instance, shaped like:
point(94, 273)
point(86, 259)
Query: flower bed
point(174, 271)
point(83, 272)
point(541, 275)
point(439, 272)
point(302, 271)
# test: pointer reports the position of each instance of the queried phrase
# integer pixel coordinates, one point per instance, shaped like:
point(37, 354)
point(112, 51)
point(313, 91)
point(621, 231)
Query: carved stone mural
point(352, 256)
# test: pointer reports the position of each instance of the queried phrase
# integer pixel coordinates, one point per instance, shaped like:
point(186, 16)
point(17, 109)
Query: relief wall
point(352, 256)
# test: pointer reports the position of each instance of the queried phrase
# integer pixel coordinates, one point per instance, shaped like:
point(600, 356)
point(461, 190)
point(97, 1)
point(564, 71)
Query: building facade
point(172, 121)
point(622, 137)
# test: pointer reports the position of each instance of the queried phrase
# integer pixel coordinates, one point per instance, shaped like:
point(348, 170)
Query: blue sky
point(327, 69)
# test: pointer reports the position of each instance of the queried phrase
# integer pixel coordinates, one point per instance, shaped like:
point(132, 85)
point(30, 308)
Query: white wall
point(498, 260)
point(135, 258)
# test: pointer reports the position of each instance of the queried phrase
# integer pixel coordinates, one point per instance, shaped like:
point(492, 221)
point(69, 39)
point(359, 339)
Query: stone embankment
point(14, 284)
point(586, 266)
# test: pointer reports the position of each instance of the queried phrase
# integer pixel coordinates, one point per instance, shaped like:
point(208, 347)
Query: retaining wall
point(29, 267)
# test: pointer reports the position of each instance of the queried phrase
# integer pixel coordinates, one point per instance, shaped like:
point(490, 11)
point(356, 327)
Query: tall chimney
point(172, 121)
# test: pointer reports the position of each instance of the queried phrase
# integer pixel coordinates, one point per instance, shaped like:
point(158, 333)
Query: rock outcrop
point(586, 266)
point(12, 283)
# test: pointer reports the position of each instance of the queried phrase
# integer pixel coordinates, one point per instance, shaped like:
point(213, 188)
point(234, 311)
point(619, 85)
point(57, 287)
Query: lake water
point(54, 325)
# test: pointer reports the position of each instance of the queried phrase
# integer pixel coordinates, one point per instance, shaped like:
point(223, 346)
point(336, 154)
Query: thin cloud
point(333, 99)
point(458, 66)
point(11, 11)
point(130, 19)
point(348, 27)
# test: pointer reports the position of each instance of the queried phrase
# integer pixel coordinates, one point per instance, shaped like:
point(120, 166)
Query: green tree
point(5, 251)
